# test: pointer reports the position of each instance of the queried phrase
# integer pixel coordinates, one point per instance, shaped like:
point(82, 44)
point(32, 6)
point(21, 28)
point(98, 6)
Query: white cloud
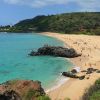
point(89, 5)
point(36, 3)
point(41, 3)
point(85, 5)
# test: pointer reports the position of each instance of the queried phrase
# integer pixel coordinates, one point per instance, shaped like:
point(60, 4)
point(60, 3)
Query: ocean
point(16, 64)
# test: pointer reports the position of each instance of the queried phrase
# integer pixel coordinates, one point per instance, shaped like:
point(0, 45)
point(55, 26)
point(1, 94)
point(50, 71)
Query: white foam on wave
point(60, 82)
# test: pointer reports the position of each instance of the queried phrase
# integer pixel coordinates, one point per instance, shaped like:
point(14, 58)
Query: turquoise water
point(16, 64)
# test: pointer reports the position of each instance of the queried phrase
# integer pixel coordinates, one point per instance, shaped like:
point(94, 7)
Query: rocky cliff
point(22, 90)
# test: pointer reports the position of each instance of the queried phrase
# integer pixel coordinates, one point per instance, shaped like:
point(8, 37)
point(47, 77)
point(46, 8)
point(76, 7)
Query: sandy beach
point(89, 46)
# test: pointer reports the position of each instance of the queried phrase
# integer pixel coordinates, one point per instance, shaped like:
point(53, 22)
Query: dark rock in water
point(74, 71)
point(55, 51)
point(69, 74)
point(82, 77)
point(21, 90)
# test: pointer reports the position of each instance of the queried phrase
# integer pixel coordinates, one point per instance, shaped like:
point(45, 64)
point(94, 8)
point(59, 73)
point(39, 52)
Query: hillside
point(93, 93)
point(84, 23)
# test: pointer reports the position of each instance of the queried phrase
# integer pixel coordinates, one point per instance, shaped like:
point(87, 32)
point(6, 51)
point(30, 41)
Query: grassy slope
point(93, 93)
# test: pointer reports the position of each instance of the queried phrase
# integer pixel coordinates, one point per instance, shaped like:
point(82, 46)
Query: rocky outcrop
point(74, 71)
point(21, 90)
point(72, 75)
point(10, 95)
point(82, 77)
point(90, 70)
point(69, 74)
point(55, 51)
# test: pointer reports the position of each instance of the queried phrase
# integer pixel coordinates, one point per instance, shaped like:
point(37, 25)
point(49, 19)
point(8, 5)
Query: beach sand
point(89, 46)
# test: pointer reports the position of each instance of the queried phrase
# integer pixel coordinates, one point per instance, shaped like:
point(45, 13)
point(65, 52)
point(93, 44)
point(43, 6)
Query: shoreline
point(59, 82)
point(90, 58)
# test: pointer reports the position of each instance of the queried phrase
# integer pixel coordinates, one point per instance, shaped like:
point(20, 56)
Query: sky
point(12, 11)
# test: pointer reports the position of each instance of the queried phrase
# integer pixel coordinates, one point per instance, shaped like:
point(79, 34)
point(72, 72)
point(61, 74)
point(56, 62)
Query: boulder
point(10, 95)
point(69, 74)
point(82, 77)
point(74, 71)
point(91, 70)
point(21, 90)
point(55, 51)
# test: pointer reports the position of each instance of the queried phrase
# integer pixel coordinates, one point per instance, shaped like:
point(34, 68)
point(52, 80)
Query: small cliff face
point(55, 51)
point(21, 90)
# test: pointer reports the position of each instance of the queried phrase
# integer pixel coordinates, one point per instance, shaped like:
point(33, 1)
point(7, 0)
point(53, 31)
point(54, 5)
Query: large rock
point(21, 90)
point(69, 74)
point(56, 51)
point(75, 70)
point(10, 95)
point(82, 77)
point(91, 70)
point(72, 75)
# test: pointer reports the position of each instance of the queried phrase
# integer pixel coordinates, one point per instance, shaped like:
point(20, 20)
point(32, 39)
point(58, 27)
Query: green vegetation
point(77, 23)
point(4, 28)
point(95, 96)
point(29, 95)
point(94, 92)
point(33, 94)
point(43, 98)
